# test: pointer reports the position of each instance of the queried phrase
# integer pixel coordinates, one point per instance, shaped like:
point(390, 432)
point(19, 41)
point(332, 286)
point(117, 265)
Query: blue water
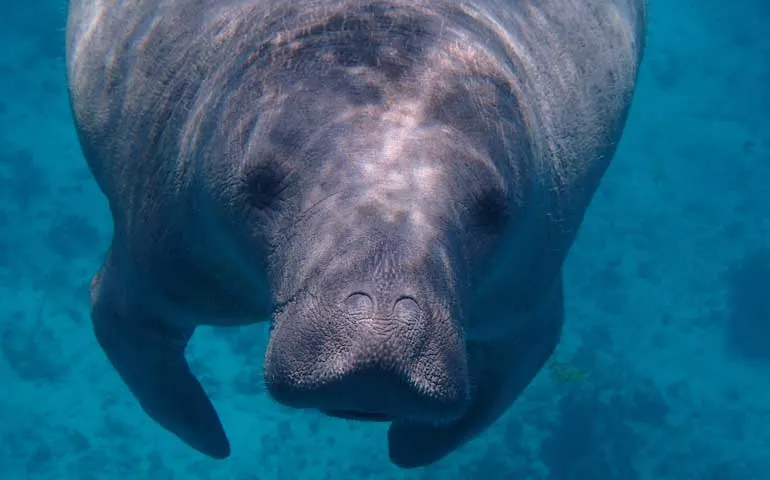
point(664, 370)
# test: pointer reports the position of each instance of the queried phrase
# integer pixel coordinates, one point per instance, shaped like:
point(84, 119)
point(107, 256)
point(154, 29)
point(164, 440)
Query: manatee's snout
point(369, 353)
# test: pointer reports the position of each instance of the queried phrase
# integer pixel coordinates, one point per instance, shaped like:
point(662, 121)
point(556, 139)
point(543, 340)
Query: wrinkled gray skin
point(393, 184)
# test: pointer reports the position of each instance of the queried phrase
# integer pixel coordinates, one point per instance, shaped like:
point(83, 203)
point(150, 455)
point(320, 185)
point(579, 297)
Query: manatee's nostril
point(359, 303)
point(406, 308)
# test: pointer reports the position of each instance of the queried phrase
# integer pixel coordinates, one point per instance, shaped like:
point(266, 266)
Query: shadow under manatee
point(747, 320)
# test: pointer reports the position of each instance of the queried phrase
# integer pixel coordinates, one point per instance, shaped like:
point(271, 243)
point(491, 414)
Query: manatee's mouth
point(359, 416)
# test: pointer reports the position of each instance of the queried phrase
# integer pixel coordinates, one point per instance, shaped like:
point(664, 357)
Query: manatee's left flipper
point(503, 371)
point(149, 356)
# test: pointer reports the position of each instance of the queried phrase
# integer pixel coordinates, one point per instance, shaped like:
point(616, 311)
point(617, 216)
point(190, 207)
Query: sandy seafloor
point(663, 373)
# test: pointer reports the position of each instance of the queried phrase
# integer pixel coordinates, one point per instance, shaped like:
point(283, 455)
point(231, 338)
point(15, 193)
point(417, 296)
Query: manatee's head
point(377, 187)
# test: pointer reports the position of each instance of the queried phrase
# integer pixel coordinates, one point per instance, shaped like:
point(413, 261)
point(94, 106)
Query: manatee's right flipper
point(149, 356)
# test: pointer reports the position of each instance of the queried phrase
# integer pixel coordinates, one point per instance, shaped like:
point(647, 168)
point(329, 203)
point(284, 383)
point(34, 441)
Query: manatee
point(392, 184)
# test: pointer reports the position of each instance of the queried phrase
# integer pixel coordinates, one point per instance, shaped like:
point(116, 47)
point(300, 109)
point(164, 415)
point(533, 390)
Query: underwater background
point(663, 371)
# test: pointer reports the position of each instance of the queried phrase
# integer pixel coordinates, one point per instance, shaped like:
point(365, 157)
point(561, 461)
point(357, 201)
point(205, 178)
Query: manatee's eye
point(262, 184)
point(490, 211)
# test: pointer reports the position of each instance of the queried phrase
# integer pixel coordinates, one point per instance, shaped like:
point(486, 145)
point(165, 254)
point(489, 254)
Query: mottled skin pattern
point(393, 184)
